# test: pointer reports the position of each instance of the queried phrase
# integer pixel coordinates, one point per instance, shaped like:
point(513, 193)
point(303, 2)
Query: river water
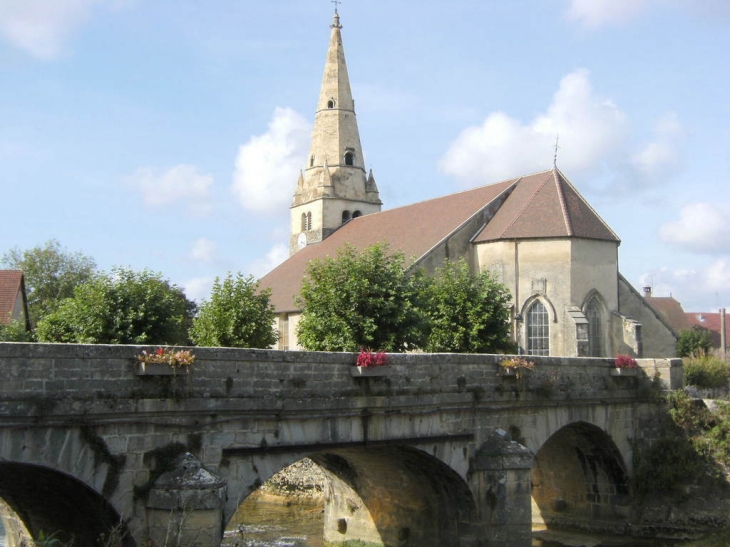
point(275, 525)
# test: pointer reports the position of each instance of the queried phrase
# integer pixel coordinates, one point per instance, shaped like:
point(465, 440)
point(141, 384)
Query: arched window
point(309, 221)
point(356, 214)
point(311, 160)
point(304, 222)
point(331, 103)
point(349, 158)
point(346, 217)
point(595, 328)
point(538, 330)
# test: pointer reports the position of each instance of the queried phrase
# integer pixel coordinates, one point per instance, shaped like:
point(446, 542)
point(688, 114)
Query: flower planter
point(624, 371)
point(359, 372)
point(509, 372)
point(154, 369)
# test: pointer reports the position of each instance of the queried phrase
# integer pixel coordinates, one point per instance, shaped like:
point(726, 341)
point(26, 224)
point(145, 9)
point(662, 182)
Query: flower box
point(618, 371)
point(154, 369)
point(359, 372)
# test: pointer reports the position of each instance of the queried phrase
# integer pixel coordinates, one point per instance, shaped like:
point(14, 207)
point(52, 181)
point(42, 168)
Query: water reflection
point(257, 524)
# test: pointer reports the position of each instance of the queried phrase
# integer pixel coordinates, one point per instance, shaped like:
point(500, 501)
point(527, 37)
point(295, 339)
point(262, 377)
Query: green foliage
point(15, 332)
point(360, 300)
point(467, 313)
point(51, 274)
point(122, 307)
point(706, 371)
point(694, 444)
point(693, 342)
point(237, 315)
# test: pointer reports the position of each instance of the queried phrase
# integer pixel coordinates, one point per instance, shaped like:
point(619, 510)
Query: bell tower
point(334, 186)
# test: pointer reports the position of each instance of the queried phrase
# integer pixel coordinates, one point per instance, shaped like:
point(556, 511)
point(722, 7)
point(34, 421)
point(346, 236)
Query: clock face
point(302, 240)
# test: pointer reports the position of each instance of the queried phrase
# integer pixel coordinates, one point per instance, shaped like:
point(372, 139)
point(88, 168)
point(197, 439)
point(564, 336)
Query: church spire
point(336, 185)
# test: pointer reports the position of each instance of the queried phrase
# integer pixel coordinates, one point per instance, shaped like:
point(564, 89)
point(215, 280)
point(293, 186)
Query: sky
point(168, 134)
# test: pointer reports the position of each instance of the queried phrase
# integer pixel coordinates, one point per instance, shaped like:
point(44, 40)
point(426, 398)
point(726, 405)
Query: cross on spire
point(336, 3)
point(555, 157)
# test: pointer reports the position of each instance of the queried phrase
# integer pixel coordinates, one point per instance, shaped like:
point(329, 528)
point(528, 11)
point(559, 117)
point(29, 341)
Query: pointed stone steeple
point(336, 186)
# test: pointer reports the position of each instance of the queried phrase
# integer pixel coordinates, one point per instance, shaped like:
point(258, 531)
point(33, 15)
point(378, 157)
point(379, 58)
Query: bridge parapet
point(86, 372)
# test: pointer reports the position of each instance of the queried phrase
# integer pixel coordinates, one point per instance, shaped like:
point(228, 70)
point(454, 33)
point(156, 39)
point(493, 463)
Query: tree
point(467, 313)
point(51, 273)
point(122, 307)
point(360, 300)
point(237, 315)
point(15, 331)
point(694, 341)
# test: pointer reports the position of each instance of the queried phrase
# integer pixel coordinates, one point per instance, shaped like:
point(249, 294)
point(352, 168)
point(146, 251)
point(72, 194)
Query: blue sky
point(167, 134)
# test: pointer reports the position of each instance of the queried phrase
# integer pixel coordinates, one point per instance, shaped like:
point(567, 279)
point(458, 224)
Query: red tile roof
point(670, 310)
point(543, 205)
point(11, 283)
point(711, 322)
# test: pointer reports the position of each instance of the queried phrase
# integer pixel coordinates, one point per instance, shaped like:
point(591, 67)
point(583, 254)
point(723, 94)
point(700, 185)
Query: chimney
point(723, 333)
point(647, 292)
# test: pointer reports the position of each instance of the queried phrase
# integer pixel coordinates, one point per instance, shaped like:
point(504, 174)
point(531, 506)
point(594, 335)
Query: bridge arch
point(38, 500)
point(392, 495)
point(579, 478)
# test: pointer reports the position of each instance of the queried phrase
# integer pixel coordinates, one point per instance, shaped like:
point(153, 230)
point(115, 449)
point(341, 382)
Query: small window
point(304, 222)
point(311, 161)
point(346, 217)
point(331, 103)
point(356, 214)
point(349, 158)
point(309, 221)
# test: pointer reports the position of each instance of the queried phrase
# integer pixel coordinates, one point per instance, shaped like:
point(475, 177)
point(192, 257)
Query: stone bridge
point(430, 450)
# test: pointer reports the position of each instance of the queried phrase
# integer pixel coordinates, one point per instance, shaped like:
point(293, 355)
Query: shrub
point(625, 361)
point(706, 372)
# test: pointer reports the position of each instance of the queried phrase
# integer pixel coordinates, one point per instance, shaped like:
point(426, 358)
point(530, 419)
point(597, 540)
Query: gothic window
point(356, 214)
point(346, 217)
point(331, 103)
point(595, 328)
point(309, 221)
point(538, 330)
point(349, 158)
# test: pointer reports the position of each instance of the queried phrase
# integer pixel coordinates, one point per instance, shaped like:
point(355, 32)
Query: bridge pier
point(185, 506)
point(500, 477)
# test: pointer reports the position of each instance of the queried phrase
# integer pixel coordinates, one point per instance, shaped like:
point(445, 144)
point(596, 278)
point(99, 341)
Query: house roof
point(671, 311)
point(711, 322)
point(11, 283)
point(542, 205)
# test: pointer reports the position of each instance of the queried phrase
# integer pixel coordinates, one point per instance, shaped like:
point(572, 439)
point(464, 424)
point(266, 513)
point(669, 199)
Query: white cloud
point(198, 288)
point(41, 27)
point(590, 128)
point(273, 258)
point(267, 165)
point(598, 13)
point(703, 288)
point(203, 250)
point(179, 183)
point(702, 227)
point(662, 156)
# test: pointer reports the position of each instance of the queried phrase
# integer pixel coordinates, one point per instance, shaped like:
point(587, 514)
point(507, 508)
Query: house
point(715, 323)
point(13, 300)
point(535, 233)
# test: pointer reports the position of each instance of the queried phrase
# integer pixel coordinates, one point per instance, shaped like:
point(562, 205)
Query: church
point(534, 233)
